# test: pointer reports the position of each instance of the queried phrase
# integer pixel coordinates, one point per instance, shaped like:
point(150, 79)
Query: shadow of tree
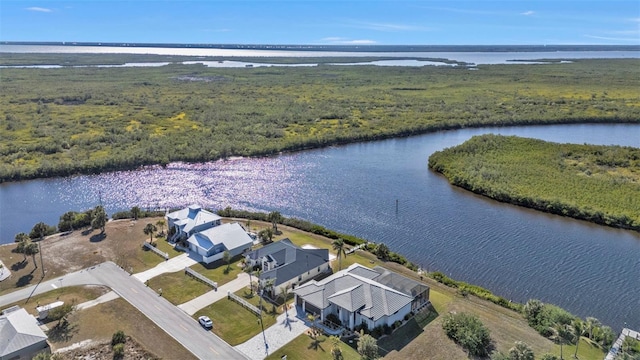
point(62, 332)
point(19, 265)
point(24, 280)
point(407, 332)
point(87, 232)
point(97, 237)
point(316, 343)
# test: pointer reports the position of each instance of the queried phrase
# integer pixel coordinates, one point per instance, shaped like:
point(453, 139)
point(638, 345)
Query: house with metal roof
point(213, 242)
point(288, 265)
point(185, 222)
point(356, 296)
point(20, 335)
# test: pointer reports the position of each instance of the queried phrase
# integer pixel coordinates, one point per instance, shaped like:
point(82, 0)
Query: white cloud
point(386, 26)
point(635, 39)
point(528, 13)
point(336, 40)
point(39, 9)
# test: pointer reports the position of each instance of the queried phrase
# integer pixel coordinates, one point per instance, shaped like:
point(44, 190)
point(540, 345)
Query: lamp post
point(266, 346)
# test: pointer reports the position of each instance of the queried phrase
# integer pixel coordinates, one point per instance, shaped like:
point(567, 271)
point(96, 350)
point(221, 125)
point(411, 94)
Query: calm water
point(518, 253)
point(468, 57)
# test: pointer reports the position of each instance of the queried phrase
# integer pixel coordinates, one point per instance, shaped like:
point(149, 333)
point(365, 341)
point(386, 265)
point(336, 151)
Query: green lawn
point(405, 334)
point(302, 347)
point(586, 351)
point(218, 272)
point(163, 245)
point(235, 324)
point(178, 287)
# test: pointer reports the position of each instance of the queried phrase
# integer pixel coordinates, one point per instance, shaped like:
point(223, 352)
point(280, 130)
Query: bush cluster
point(466, 288)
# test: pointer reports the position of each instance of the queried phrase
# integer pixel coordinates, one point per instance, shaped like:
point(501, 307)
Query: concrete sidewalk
point(102, 299)
point(172, 265)
point(281, 333)
point(202, 301)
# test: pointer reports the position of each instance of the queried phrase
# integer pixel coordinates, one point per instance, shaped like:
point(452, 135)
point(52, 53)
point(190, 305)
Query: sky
point(317, 22)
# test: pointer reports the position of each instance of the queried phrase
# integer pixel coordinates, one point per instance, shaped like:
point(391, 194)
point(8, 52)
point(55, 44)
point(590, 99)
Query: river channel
point(517, 253)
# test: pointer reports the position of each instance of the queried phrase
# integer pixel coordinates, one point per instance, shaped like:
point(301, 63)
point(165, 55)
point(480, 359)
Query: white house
point(20, 335)
point(213, 242)
point(190, 220)
point(355, 296)
point(287, 264)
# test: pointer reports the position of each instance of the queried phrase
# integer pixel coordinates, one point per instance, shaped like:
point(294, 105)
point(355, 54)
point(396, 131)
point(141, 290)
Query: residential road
point(187, 331)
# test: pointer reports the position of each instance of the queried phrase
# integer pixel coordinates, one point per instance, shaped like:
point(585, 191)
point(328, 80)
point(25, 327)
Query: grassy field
point(177, 287)
point(600, 184)
point(57, 122)
point(236, 324)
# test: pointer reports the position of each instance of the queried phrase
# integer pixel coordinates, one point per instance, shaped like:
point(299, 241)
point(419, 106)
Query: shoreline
point(93, 170)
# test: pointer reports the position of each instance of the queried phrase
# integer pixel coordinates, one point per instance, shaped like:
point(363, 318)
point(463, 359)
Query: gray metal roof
point(353, 292)
point(231, 235)
point(399, 282)
point(18, 330)
point(192, 216)
point(298, 262)
point(270, 249)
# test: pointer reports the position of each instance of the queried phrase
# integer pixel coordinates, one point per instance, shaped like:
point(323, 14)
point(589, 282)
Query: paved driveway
point(279, 334)
point(203, 344)
point(191, 307)
point(172, 265)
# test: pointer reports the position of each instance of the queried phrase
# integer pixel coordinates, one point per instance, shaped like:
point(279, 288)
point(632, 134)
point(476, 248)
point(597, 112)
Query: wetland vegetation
point(58, 122)
point(596, 183)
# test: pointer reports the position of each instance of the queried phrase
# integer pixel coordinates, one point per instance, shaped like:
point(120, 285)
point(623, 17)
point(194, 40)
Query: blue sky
point(375, 22)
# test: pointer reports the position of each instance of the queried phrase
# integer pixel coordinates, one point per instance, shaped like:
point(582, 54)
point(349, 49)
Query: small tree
point(39, 231)
point(150, 229)
point(118, 351)
point(135, 212)
point(274, 217)
point(21, 237)
point(266, 235)
point(226, 257)
point(118, 338)
point(367, 347)
point(161, 223)
point(22, 246)
point(382, 251)
point(336, 352)
point(100, 218)
point(521, 351)
point(469, 332)
point(339, 247)
point(61, 313)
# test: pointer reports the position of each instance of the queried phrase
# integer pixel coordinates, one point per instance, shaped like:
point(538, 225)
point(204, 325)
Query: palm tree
point(268, 285)
point(160, 223)
point(284, 293)
point(135, 212)
point(591, 325)
point(149, 230)
point(32, 249)
point(562, 334)
point(578, 329)
point(249, 270)
point(338, 246)
point(22, 246)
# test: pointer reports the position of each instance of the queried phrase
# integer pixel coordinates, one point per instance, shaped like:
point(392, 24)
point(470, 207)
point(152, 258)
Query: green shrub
point(469, 332)
point(118, 351)
point(118, 338)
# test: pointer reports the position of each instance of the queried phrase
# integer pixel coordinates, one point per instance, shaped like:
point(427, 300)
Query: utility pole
point(41, 261)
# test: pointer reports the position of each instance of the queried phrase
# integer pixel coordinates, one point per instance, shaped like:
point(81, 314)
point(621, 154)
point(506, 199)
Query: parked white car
point(205, 322)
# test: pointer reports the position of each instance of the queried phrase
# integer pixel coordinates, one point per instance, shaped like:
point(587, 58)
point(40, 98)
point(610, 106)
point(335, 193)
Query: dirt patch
point(104, 351)
point(69, 252)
